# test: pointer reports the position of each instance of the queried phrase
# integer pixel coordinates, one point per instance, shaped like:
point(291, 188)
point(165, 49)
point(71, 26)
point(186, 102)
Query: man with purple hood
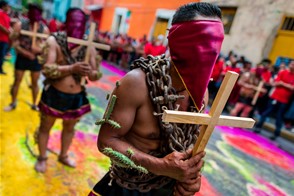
point(27, 55)
point(149, 157)
point(63, 95)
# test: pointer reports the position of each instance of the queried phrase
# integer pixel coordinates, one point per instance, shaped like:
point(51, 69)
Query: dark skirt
point(245, 100)
point(103, 188)
point(64, 105)
point(23, 63)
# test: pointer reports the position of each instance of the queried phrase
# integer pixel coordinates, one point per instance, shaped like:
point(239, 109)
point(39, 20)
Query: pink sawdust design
point(258, 147)
point(206, 188)
point(264, 188)
point(253, 148)
point(83, 145)
point(101, 85)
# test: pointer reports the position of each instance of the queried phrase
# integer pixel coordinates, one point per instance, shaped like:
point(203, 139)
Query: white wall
point(255, 26)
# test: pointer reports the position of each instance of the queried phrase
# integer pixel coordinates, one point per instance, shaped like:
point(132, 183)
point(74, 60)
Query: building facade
point(138, 17)
point(259, 29)
point(61, 6)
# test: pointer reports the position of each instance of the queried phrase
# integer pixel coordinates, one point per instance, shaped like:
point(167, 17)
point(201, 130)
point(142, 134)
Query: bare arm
point(4, 30)
point(130, 98)
point(284, 84)
point(53, 70)
point(278, 82)
point(95, 61)
point(37, 49)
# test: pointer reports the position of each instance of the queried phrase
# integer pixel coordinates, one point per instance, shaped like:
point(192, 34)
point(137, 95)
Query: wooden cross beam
point(214, 118)
point(87, 43)
point(34, 35)
point(35, 31)
point(258, 90)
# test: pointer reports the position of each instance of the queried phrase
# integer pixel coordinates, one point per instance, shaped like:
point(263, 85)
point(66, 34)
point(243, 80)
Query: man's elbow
point(101, 144)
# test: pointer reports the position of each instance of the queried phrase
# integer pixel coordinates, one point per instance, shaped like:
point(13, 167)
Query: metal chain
point(174, 137)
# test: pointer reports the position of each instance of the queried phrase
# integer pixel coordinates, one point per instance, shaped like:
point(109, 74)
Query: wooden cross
point(87, 43)
point(34, 35)
point(214, 118)
point(258, 90)
point(35, 31)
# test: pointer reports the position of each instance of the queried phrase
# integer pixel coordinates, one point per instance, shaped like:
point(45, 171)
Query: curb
point(284, 133)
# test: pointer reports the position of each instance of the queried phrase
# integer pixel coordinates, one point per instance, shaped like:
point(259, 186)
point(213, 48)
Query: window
point(121, 20)
point(288, 24)
point(228, 17)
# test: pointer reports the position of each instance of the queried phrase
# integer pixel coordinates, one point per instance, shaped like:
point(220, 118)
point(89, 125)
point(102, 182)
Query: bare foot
point(66, 161)
point(41, 165)
point(10, 107)
point(35, 107)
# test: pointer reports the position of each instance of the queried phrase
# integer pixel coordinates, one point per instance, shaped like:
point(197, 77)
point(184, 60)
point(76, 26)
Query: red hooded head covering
point(194, 48)
point(35, 13)
point(75, 24)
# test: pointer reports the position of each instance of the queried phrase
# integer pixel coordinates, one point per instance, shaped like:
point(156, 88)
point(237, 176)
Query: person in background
point(4, 32)
point(156, 47)
point(247, 82)
point(216, 77)
point(27, 55)
point(63, 95)
point(289, 116)
point(279, 98)
point(53, 25)
point(263, 71)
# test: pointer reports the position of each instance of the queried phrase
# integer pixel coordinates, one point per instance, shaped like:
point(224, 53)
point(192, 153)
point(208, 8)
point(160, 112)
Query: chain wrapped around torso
point(174, 137)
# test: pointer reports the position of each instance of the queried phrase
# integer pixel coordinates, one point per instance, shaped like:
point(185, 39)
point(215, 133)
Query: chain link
point(174, 137)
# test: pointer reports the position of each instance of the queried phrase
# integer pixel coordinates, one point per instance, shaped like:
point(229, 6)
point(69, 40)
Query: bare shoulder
point(135, 79)
point(51, 41)
point(133, 84)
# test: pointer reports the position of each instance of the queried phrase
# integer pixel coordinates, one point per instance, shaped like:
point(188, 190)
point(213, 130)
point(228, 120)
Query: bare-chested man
point(248, 83)
point(63, 95)
point(150, 157)
point(27, 55)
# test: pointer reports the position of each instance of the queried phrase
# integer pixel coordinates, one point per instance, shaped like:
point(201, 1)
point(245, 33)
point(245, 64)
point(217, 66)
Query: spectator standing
point(216, 77)
point(53, 25)
point(156, 47)
point(289, 116)
point(4, 32)
point(280, 97)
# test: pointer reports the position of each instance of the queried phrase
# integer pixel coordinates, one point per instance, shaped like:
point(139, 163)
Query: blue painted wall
point(60, 7)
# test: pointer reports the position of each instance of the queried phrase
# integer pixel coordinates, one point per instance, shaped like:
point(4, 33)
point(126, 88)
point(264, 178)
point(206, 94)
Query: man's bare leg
point(43, 136)
point(238, 107)
point(246, 111)
point(66, 139)
point(18, 75)
point(35, 75)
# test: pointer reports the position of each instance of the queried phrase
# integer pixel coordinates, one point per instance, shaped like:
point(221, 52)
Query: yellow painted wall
point(283, 46)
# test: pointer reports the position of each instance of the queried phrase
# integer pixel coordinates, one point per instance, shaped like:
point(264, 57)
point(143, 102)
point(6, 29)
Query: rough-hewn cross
point(87, 43)
point(258, 90)
point(214, 118)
